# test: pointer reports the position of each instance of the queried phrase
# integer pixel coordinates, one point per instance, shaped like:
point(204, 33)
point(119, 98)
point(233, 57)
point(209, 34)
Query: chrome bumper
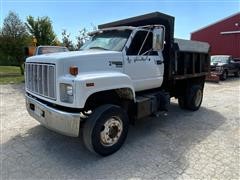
point(59, 121)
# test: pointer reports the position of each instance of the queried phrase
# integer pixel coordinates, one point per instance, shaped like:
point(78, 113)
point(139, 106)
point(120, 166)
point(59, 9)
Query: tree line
point(15, 35)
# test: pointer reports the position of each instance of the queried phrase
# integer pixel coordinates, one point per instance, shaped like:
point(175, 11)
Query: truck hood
point(86, 61)
point(55, 57)
point(217, 64)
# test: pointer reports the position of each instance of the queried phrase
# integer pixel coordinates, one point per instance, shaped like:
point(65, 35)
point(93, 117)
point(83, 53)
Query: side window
point(137, 43)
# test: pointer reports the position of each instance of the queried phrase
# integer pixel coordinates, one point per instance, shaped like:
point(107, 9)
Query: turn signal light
point(73, 70)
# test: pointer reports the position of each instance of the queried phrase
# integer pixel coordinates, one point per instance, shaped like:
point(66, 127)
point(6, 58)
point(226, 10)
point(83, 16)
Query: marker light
point(73, 70)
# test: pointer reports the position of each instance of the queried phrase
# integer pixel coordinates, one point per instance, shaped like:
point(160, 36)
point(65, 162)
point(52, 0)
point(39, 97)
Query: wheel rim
point(111, 131)
point(198, 98)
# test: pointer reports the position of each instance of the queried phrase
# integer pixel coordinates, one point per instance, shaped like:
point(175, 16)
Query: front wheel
point(224, 75)
point(106, 129)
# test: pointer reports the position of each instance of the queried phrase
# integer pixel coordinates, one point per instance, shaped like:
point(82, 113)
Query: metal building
point(223, 36)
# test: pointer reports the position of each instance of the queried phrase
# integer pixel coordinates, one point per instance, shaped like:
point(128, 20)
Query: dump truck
point(128, 70)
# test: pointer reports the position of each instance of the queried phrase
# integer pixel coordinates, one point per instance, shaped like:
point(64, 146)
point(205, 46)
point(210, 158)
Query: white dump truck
point(129, 69)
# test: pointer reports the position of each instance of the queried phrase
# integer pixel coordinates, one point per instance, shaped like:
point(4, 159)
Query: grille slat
point(51, 81)
point(48, 77)
point(33, 77)
point(45, 92)
point(40, 79)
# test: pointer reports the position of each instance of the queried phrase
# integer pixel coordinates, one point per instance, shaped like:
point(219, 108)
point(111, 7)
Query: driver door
point(145, 69)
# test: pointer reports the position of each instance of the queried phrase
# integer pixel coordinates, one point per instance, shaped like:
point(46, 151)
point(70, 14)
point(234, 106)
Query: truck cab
point(136, 47)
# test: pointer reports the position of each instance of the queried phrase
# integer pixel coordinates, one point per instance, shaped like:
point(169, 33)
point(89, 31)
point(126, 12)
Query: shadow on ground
point(152, 142)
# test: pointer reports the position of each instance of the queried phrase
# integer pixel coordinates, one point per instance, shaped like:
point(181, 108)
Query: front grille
point(40, 79)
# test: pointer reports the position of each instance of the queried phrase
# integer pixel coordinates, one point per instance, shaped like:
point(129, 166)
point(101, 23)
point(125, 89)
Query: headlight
point(66, 93)
point(69, 90)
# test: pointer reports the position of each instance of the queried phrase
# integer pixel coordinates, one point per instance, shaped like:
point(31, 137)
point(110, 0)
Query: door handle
point(159, 62)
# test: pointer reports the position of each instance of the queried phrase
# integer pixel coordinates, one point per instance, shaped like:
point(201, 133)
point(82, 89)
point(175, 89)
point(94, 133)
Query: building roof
point(235, 14)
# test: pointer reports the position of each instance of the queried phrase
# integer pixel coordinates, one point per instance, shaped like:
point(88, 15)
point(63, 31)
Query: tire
point(194, 97)
point(182, 102)
point(224, 75)
point(106, 129)
point(237, 74)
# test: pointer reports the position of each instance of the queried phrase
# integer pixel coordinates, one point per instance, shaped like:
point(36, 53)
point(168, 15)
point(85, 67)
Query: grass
point(10, 75)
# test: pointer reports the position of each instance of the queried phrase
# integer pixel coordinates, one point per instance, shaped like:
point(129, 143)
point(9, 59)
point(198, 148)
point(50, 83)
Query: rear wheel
point(182, 102)
point(237, 74)
point(192, 99)
point(106, 129)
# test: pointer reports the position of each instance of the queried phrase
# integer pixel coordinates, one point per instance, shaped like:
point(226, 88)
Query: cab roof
point(146, 19)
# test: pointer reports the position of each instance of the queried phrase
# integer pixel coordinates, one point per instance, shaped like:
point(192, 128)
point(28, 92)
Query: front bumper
point(216, 73)
point(212, 76)
point(63, 122)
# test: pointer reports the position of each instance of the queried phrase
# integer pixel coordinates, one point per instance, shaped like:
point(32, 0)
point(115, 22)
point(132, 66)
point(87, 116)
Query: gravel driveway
point(182, 145)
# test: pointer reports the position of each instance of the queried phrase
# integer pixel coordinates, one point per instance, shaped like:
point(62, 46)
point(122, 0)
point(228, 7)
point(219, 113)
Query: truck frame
point(107, 90)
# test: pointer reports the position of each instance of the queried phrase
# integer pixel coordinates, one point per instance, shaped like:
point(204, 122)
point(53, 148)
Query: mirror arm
point(147, 52)
point(143, 42)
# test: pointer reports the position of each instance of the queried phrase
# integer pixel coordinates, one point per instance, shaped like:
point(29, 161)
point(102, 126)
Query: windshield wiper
point(97, 47)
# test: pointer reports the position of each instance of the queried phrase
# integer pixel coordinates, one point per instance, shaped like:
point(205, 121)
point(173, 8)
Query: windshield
point(113, 40)
point(219, 59)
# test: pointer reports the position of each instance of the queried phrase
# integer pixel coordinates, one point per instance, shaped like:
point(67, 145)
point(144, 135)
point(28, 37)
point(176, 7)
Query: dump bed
point(191, 59)
point(182, 58)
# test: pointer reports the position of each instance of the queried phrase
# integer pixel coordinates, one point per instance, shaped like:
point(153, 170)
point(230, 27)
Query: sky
point(74, 15)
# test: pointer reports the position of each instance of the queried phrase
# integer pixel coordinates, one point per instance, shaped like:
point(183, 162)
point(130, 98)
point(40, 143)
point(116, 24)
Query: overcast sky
point(76, 14)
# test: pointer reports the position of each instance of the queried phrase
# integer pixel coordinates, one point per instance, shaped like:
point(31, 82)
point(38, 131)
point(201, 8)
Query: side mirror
point(158, 38)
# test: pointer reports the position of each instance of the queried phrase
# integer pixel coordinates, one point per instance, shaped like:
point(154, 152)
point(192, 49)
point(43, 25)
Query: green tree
point(66, 41)
point(13, 39)
point(56, 42)
point(82, 38)
point(42, 29)
point(94, 27)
